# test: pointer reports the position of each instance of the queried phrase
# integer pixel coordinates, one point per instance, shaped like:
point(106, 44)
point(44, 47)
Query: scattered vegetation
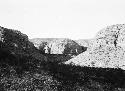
point(51, 76)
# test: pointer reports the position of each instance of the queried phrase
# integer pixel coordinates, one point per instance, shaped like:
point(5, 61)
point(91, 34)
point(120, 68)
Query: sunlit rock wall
point(107, 49)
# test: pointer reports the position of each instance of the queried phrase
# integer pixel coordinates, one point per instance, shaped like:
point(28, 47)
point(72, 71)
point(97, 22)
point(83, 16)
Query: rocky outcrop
point(106, 50)
point(58, 46)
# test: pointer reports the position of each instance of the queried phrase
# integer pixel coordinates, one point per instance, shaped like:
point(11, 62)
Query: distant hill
point(58, 46)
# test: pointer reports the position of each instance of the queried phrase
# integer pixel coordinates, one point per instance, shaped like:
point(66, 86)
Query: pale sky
point(75, 19)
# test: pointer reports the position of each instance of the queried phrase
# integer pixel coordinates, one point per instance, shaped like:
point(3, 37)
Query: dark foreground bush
point(28, 81)
point(74, 78)
point(52, 76)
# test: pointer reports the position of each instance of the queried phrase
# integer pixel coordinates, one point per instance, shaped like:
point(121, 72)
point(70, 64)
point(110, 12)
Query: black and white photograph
point(62, 45)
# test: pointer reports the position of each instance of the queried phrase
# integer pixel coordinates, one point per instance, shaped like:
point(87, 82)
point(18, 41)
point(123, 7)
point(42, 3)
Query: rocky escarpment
point(107, 49)
point(58, 46)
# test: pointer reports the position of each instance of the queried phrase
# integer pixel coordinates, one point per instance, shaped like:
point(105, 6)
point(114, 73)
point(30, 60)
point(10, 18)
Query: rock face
point(106, 50)
point(58, 46)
